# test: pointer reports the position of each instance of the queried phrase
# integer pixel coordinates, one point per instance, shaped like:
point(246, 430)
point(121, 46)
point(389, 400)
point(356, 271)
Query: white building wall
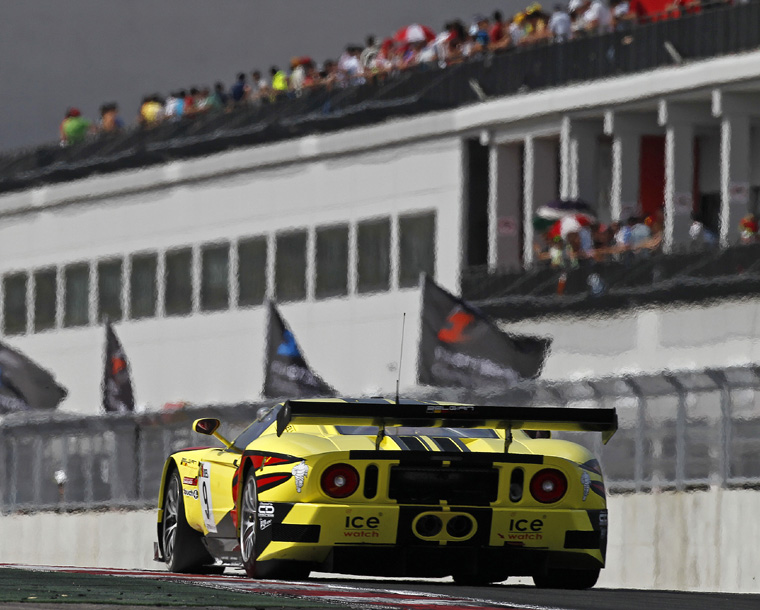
point(218, 357)
point(651, 340)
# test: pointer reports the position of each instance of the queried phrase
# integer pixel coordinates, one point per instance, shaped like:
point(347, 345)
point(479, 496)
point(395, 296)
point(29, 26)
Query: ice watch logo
point(458, 321)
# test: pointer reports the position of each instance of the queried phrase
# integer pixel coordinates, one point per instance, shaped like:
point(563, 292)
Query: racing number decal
point(207, 506)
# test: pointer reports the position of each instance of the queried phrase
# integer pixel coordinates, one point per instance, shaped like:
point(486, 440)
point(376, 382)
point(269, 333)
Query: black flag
point(287, 373)
point(117, 385)
point(25, 385)
point(461, 347)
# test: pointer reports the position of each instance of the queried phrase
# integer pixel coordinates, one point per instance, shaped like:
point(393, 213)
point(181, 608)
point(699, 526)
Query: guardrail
point(722, 30)
point(677, 431)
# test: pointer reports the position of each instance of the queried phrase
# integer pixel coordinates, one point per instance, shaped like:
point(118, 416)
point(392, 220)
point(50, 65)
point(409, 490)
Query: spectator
point(110, 121)
point(239, 91)
point(174, 105)
point(595, 17)
point(536, 24)
point(370, 51)
point(219, 100)
point(517, 28)
point(639, 232)
point(151, 111)
point(560, 25)
point(748, 229)
point(497, 31)
point(297, 75)
point(700, 234)
point(280, 83)
point(259, 87)
point(74, 127)
point(479, 30)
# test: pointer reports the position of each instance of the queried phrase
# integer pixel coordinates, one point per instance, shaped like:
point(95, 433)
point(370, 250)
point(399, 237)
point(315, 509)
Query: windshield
point(412, 431)
point(264, 418)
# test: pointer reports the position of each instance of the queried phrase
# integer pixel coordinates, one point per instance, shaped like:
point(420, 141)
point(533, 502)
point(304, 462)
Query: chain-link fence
point(685, 430)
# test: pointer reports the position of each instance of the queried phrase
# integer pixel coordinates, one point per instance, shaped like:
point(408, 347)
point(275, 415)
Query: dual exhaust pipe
point(444, 526)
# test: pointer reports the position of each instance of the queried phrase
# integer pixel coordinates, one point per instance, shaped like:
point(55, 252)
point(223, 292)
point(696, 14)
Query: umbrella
point(414, 33)
point(569, 224)
point(565, 207)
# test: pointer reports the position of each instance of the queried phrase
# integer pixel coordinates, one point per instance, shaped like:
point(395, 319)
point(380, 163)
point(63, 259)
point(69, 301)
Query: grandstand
point(179, 233)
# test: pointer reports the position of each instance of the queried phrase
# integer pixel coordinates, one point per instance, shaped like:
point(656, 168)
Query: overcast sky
point(60, 53)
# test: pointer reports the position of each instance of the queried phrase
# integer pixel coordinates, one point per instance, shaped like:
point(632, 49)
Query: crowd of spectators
point(621, 240)
point(410, 47)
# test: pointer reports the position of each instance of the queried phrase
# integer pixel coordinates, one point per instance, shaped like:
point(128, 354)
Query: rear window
point(411, 431)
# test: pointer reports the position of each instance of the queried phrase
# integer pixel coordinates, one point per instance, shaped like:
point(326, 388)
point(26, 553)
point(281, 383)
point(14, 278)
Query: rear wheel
point(249, 530)
point(553, 578)
point(183, 546)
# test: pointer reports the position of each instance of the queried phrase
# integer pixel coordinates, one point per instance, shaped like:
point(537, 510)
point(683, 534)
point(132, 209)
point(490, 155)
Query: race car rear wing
point(430, 415)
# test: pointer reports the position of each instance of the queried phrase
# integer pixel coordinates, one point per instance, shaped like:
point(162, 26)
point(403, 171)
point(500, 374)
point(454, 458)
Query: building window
point(142, 286)
point(332, 262)
point(178, 296)
point(44, 299)
point(290, 267)
point(215, 277)
point(110, 281)
point(14, 303)
point(252, 271)
point(416, 248)
point(374, 260)
point(76, 304)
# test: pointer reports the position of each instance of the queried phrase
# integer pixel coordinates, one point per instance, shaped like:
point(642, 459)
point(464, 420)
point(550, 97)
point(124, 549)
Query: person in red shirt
point(496, 31)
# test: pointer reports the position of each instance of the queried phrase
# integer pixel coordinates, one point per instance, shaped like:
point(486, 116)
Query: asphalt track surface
point(44, 587)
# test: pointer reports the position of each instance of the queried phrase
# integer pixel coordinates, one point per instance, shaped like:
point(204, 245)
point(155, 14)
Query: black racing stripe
point(413, 443)
point(461, 444)
point(406, 457)
point(445, 444)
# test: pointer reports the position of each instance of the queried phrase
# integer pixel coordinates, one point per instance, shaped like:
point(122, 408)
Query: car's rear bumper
point(391, 538)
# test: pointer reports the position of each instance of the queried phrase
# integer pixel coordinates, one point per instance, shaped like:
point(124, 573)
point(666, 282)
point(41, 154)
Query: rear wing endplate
point(430, 415)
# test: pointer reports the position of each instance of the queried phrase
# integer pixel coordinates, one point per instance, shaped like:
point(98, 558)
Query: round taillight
point(548, 485)
point(340, 480)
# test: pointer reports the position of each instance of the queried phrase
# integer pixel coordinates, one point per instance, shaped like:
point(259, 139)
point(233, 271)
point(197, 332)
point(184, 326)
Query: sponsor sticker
point(586, 482)
point(207, 506)
point(361, 527)
point(191, 493)
point(266, 515)
point(300, 472)
point(449, 408)
point(193, 481)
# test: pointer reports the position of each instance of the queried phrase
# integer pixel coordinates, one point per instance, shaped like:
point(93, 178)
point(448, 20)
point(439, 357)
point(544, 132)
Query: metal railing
point(719, 31)
point(677, 431)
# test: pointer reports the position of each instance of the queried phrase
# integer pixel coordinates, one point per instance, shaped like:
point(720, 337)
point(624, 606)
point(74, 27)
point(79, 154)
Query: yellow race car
point(386, 488)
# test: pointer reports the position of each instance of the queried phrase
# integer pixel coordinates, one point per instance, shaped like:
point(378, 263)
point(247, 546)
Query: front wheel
point(554, 578)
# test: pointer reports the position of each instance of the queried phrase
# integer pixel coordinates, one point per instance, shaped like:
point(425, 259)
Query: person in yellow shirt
point(280, 82)
point(151, 111)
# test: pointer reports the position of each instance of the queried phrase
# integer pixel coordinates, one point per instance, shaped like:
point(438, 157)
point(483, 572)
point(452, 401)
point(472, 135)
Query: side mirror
point(206, 426)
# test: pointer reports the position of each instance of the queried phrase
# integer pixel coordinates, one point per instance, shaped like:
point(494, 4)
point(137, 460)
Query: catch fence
point(677, 431)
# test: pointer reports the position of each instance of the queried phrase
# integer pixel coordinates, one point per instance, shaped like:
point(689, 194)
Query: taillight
point(548, 485)
point(340, 480)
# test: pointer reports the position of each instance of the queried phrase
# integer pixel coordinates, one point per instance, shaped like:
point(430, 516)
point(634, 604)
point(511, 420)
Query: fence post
point(638, 463)
point(719, 377)
point(680, 432)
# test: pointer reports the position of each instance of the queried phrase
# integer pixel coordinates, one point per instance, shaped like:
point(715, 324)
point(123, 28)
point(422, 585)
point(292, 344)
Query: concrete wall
point(700, 541)
point(650, 340)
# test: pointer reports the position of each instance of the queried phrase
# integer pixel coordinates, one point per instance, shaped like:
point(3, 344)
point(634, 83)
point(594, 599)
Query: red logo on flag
point(454, 332)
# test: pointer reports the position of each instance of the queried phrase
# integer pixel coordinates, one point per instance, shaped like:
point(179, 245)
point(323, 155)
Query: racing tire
point(183, 547)
point(249, 530)
point(554, 578)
